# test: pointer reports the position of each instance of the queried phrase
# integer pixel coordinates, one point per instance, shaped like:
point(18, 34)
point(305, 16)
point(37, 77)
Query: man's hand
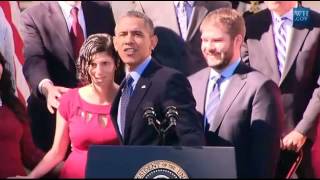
point(53, 94)
point(293, 141)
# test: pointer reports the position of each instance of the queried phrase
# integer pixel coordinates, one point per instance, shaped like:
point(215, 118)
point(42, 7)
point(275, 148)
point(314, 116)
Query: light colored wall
point(315, 5)
point(25, 4)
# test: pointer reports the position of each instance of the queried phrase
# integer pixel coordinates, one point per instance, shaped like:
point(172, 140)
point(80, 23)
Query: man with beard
point(240, 106)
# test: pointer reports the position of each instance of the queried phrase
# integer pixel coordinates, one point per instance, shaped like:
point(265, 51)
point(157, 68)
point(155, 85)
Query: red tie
point(76, 33)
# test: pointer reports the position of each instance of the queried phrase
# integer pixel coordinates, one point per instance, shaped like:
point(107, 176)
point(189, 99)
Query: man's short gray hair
point(147, 21)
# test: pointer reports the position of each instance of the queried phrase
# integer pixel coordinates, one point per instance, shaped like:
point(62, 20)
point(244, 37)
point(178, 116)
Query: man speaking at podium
point(241, 107)
point(150, 85)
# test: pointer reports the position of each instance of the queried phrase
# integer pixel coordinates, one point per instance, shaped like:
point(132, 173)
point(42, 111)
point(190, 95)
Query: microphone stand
point(161, 127)
point(150, 116)
point(171, 116)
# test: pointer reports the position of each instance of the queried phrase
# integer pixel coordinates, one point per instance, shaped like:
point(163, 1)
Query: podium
point(150, 162)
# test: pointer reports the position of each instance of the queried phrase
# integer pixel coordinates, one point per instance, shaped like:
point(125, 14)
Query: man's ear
point(115, 43)
point(154, 41)
point(238, 40)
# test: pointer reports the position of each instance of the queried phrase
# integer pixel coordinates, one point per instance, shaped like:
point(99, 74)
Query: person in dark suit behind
point(186, 56)
point(149, 84)
point(240, 106)
point(50, 55)
point(292, 61)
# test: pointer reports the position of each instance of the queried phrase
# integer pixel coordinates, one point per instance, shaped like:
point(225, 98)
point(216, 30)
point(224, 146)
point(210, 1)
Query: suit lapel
point(268, 45)
point(114, 111)
point(297, 39)
point(173, 22)
point(86, 13)
point(197, 16)
point(200, 89)
point(140, 90)
point(237, 82)
point(89, 12)
point(142, 86)
point(58, 22)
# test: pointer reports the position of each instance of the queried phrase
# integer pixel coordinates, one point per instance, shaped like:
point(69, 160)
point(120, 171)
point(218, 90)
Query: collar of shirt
point(226, 73)
point(136, 73)
point(276, 19)
point(66, 9)
point(177, 3)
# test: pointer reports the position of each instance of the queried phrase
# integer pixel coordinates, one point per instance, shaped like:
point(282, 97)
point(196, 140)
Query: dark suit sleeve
point(266, 121)
point(98, 17)
point(189, 127)
point(35, 66)
point(310, 115)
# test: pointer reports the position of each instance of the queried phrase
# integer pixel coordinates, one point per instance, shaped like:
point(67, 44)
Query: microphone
point(172, 115)
point(150, 115)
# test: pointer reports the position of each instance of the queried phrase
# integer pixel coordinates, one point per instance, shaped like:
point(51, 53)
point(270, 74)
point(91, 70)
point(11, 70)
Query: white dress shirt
point(66, 9)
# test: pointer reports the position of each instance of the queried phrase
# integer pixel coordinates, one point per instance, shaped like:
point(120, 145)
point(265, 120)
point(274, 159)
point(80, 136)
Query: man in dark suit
point(292, 60)
point(177, 48)
point(149, 84)
point(240, 106)
point(50, 58)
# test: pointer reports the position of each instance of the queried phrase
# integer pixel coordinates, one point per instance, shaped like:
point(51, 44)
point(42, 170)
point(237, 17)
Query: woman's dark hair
point(7, 93)
point(95, 43)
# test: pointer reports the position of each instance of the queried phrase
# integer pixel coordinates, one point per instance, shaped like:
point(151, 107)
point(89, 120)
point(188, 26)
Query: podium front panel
point(160, 162)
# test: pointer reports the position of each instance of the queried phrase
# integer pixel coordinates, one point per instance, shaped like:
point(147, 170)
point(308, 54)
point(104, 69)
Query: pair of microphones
point(171, 116)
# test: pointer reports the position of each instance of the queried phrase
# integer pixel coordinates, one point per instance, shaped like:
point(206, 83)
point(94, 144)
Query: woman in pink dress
point(83, 116)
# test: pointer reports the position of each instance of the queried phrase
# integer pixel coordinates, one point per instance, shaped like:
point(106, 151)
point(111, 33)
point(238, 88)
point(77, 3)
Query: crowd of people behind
point(249, 80)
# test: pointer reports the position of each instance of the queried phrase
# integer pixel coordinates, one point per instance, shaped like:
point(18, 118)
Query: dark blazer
point(299, 83)
point(48, 54)
point(160, 87)
point(248, 117)
point(172, 50)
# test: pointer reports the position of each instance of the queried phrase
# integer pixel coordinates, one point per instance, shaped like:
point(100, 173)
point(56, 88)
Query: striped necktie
point(125, 97)
point(281, 43)
point(213, 103)
point(183, 18)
